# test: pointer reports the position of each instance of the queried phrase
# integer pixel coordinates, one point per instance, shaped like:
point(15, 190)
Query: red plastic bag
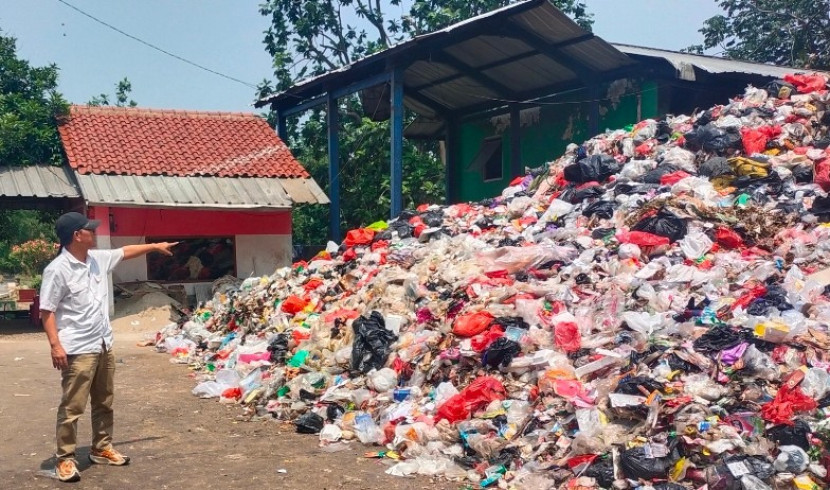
point(349, 255)
point(807, 83)
point(822, 174)
point(483, 340)
point(360, 236)
point(300, 335)
point(642, 238)
point(453, 410)
point(470, 324)
point(293, 304)
point(754, 140)
point(748, 297)
point(482, 391)
point(673, 178)
point(728, 238)
point(312, 284)
point(567, 336)
point(234, 393)
point(786, 403)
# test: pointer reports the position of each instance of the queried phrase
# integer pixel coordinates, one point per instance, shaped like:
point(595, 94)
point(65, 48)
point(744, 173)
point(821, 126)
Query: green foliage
point(29, 107)
point(34, 255)
point(18, 226)
point(782, 32)
point(309, 38)
point(122, 96)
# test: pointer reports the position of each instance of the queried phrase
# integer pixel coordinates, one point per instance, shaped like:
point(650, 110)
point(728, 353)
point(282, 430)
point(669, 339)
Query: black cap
point(69, 223)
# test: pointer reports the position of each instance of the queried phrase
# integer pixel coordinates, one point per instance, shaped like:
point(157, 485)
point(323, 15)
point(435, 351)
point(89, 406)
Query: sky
point(226, 37)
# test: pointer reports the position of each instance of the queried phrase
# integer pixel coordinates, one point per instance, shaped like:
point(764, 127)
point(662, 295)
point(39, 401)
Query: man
point(74, 308)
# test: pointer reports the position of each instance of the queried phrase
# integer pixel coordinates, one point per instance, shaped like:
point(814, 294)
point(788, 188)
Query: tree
point(122, 96)
point(782, 32)
point(309, 38)
point(30, 106)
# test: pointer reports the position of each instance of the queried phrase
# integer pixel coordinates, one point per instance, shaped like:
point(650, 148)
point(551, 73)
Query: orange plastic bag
point(360, 236)
point(470, 324)
point(293, 304)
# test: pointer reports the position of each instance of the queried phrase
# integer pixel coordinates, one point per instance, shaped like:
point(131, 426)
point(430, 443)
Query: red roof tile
point(134, 141)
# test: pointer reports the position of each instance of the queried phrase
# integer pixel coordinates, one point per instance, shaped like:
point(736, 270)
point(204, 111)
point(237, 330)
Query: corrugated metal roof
point(504, 55)
point(199, 192)
point(685, 63)
point(37, 181)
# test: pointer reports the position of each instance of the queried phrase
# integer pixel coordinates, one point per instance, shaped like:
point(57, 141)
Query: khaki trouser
point(88, 377)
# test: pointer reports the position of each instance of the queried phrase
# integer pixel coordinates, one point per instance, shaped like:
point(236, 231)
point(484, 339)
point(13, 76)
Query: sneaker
point(66, 470)
point(108, 456)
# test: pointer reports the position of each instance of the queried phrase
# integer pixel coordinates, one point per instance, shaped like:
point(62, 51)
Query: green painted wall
point(560, 122)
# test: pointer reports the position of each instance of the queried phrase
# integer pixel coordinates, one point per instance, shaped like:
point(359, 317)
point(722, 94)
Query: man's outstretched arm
point(133, 251)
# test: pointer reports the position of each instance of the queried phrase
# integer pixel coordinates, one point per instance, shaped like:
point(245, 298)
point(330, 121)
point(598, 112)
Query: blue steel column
point(332, 121)
point(396, 179)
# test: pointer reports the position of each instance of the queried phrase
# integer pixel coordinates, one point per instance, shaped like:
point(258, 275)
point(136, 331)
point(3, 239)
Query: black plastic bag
point(600, 209)
point(602, 472)
point(371, 346)
point(791, 435)
point(714, 167)
point(630, 189)
point(636, 465)
point(512, 321)
point(630, 385)
point(712, 138)
point(668, 486)
point(802, 174)
point(759, 307)
point(596, 168)
point(777, 297)
point(664, 224)
point(780, 89)
point(402, 227)
point(309, 423)
point(278, 347)
point(654, 176)
point(717, 339)
point(500, 353)
point(434, 218)
point(592, 192)
point(821, 208)
point(406, 215)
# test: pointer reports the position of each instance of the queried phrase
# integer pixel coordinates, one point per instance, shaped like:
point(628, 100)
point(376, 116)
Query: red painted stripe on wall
point(195, 223)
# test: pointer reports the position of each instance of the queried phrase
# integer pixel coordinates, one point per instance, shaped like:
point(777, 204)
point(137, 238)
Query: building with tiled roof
point(222, 184)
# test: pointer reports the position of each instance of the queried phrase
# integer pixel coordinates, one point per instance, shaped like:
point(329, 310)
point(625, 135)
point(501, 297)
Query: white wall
point(261, 255)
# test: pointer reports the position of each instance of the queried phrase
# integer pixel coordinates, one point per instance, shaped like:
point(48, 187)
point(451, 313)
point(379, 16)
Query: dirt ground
point(175, 439)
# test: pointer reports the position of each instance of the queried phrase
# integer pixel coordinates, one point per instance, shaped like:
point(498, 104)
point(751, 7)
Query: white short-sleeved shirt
point(78, 293)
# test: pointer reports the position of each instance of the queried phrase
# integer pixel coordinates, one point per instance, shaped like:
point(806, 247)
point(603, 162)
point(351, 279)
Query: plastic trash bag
point(664, 224)
point(715, 167)
point(470, 324)
point(500, 353)
point(635, 464)
point(654, 176)
point(596, 168)
point(372, 343)
point(791, 435)
point(278, 347)
point(309, 423)
point(791, 459)
point(366, 430)
point(600, 209)
point(602, 472)
point(712, 138)
point(567, 336)
point(382, 380)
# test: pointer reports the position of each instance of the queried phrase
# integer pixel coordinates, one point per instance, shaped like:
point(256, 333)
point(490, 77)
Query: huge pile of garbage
point(647, 310)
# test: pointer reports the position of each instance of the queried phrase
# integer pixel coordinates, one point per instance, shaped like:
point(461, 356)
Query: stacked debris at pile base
point(639, 312)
